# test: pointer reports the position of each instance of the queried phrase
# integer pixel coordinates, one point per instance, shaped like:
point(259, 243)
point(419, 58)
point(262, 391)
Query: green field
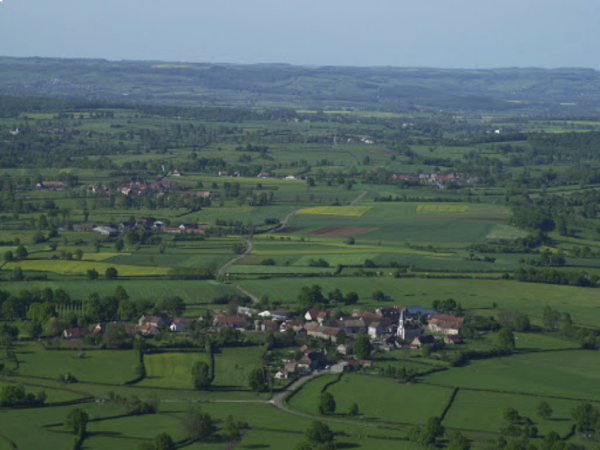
point(173, 370)
point(563, 374)
point(474, 411)
point(476, 294)
point(343, 211)
point(379, 399)
point(102, 366)
point(81, 267)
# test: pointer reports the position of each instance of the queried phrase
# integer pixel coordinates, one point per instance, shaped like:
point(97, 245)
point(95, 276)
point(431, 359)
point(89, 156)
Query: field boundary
point(10, 443)
point(450, 403)
point(525, 394)
point(331, 383)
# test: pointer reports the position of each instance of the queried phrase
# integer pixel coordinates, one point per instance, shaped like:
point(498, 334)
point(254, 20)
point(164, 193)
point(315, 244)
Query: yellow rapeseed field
point(346, 211)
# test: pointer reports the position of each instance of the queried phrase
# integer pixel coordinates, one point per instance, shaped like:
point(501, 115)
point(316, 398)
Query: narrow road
point(279, 402)
point(245, 292)
point(358, 199)
point(279, 399)
point(284, 222)
point(237, 258)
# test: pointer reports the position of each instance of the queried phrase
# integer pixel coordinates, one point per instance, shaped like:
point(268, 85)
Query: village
point(327, 342)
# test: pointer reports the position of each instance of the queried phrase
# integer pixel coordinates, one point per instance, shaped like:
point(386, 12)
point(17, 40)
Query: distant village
point(387, 329)
point(440, 181)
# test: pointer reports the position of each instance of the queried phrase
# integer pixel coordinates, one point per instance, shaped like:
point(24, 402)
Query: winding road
point(358, 199)
point(237, 258)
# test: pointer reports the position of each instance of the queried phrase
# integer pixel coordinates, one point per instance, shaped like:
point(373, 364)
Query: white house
point(375, 330)
point(179, 325)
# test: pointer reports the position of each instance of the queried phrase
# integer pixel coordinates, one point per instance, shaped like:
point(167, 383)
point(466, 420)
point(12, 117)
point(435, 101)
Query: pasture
point(97, 366)
point(379, 399)
point(342, 211)
point(572, 374)
point(81, 267)
point(476, 294)
point(173, 370)
point(473, 411)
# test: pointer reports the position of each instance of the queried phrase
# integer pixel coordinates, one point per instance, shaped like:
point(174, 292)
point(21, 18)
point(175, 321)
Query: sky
point(416, 33)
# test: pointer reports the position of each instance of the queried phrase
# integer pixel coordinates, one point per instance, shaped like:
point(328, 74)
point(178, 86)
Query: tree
point(351, 298)
point(551, 319)
point(164, 442)
point(362, 347)
point(119, 245)
point(76, 421)
point(115, 336)
point(426, 350)
point(459, 442)
point(326, 404)
point(544, 411)
point(350, 241)
point(432, 430)
point(231, 430)
point(196, 425)
point(172, 306)
point(319, 433)
point(522, 323)
point(18, 274)
point(505, 340)
point(511, 415)
point(40, 312)
point(92, 274)
point(34, 329)
point(256, 380)
point(111, 273)
point(11, 308)
point(78, 254)
point(8, 256)
point(353, 411)
point(586, 417)
point(308, 297)
point(379, 296)
point(201, 379)
point(21, 252)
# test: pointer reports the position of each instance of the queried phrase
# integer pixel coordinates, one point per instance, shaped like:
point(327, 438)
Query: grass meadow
point(173, 370)
point(473, 411)
point(476, 294)
point(572, 374)
point(98, 366)
point(379, 399)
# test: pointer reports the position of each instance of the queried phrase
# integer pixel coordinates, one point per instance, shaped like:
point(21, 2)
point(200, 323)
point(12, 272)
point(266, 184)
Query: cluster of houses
point(387, 328)
point(147, 326)
point(262, 175)
point(438, 180)
point(146, 224)
point(351, 139)
point(159, 188)
point(51, 186)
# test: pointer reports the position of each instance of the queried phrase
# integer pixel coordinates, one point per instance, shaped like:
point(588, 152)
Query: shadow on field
point(346, 445)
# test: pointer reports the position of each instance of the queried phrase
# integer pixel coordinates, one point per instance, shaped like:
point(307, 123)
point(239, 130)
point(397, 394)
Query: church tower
point(401, 331)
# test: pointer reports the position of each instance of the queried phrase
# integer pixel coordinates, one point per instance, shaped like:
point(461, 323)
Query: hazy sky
point(433, 33)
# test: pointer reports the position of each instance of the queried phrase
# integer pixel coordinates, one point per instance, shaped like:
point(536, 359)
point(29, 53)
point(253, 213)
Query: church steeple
point(400, 332)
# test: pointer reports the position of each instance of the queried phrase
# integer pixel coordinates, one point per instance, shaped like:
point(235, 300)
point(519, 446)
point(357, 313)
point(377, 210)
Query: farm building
point(230, 321)
point(444, 323)
point(75, 333)
point(155, 321)
point(419, 342)
point(179, 324)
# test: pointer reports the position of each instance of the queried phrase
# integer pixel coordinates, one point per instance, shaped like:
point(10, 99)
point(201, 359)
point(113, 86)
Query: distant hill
point(279, 85)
